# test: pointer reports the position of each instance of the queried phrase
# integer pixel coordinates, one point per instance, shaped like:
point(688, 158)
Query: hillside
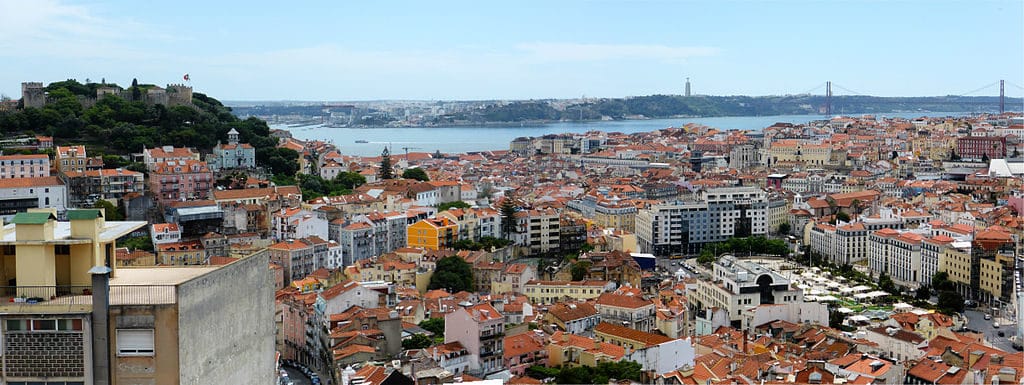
point(666, 106)
point(113, 125)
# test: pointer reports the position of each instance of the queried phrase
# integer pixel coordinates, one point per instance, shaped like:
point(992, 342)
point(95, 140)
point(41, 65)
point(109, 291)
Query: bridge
point(828, 87)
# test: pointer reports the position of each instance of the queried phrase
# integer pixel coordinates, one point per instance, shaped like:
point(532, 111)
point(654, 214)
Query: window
point(135, 342)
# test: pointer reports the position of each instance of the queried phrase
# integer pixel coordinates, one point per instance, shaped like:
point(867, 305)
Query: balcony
point(489, 353)
point(487, 335)
point(18, 298)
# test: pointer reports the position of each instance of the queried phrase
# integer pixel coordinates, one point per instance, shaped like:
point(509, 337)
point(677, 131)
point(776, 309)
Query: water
point(468, 138)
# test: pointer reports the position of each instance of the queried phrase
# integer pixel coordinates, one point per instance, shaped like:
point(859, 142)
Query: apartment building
point(152, 157)
point(551, 292)
point(86, 187)
point(24, 166)
point(628, 310)
point(180, 180)
point(433, 234)
point(300, 257)
point(538, 231)
point(481, 330)
point(683, 227)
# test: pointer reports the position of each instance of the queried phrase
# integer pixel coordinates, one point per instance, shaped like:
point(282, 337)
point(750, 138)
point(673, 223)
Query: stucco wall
point(226, 323)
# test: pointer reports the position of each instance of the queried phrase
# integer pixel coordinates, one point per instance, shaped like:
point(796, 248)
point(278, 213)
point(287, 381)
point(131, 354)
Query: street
point(297, 377)
point(976, 321)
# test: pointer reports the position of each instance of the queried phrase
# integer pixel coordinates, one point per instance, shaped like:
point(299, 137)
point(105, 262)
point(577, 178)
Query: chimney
point(565, 337)
point(100, 324)
point(744, 341)
point(597, 345)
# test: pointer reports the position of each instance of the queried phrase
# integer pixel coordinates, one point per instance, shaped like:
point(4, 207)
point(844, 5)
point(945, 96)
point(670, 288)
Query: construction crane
point(407, 151)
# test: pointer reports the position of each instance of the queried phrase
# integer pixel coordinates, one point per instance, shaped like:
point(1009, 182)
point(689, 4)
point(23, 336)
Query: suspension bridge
point(828, 87)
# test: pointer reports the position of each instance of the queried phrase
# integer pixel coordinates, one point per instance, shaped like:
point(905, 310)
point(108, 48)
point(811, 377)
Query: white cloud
point(603, 52)
point(51, 28)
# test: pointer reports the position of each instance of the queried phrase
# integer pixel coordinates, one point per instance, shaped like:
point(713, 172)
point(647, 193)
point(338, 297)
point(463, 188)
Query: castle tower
point(233, 136)
point(32, 94)
point(179, 95)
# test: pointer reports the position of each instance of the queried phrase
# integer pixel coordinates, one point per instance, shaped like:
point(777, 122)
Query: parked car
point(988, 317)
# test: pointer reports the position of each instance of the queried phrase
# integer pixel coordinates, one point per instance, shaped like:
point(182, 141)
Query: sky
point(472, 50)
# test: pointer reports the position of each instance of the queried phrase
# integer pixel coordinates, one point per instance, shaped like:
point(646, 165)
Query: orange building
point(433, 234)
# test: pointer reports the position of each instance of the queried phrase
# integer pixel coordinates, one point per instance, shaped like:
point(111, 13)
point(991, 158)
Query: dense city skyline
point(460, 51)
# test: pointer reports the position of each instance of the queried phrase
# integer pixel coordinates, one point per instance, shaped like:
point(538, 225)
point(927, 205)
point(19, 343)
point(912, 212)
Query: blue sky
point(365, 50)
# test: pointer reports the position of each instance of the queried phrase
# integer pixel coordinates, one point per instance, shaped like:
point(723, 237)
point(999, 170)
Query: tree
point(984, 158)
point(452, 274)
point(136, 93)
point(784, 228)
point(417, 341)
point(941, 282)
point(886, 284)
point(349, 180)
point(416, 173)
point(951, 302)
point(508, 217)
point(953, 155)
point(110, 212)
point(385, 165)
point(923, 293)
point(449, 205)
point(579, 270)
point(842, 216)
point(433, 325)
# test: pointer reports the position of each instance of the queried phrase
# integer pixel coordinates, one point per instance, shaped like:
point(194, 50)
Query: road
point(976, 321)
point(297, 377)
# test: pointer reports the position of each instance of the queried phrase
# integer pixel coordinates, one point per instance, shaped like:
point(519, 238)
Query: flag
point(186, 77)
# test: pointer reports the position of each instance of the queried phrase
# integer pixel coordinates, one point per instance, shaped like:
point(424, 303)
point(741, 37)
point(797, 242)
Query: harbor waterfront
point(460, 139)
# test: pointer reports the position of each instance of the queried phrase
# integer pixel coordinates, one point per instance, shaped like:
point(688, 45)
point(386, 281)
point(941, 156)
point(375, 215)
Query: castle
point(33, 94)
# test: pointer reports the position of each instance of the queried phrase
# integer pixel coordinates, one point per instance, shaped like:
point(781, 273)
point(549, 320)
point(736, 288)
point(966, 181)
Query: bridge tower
point(828, 98)
point(1002, 96)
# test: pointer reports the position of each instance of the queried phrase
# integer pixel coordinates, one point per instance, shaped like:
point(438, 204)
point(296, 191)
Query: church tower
point(233, 136)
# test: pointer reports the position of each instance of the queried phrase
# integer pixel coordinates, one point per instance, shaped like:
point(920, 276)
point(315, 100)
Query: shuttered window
point(135, 342)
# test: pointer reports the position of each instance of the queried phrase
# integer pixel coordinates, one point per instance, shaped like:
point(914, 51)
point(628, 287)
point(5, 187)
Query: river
point(462, 139)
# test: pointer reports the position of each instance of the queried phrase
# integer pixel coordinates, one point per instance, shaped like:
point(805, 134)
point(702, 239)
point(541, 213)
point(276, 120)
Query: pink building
point(180, 180)
point(481, 330)
point(24, 166)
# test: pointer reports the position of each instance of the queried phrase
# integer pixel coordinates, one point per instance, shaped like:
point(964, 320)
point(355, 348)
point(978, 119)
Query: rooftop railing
point(82, 295)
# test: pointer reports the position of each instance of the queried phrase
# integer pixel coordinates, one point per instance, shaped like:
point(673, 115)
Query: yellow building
point(800, 151)
point(574, 350)
point(433, 234)
point(70, 158)
point(549, 292)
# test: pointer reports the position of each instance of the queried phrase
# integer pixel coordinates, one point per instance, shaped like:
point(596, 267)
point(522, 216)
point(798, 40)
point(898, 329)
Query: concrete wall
point(226, 323)
point(162, 367)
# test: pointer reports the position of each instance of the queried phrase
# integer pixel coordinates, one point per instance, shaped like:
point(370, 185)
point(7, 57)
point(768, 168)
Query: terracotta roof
point(648, 339)
point(30, 182)
point(572, 311)
point(623, 301)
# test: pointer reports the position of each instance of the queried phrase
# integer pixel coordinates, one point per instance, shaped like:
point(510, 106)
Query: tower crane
point(407, 151)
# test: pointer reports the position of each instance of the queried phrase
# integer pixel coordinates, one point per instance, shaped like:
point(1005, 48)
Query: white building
point(20, 194)
point(897, 254)
point(738, 285)
point(295, 223)
point(683, 227)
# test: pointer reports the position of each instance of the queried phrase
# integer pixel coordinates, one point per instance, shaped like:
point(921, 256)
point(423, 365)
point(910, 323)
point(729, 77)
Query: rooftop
point(62, 232)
